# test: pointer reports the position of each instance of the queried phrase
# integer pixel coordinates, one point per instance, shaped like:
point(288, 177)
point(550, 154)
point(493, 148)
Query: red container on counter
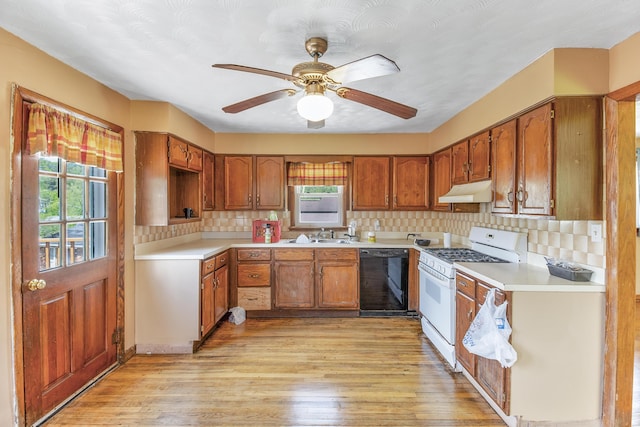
point(260, 225)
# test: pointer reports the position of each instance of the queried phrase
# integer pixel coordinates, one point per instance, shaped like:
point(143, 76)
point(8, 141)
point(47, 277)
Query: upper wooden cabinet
point(410, 183)
point(208, 181)
point(164, 188)
point(371, 183)
point(184, 155)
point(503, 159)
point(383, 183)
point(558, 161)
point(441, 178)
point(253, 182)
point(470, 160)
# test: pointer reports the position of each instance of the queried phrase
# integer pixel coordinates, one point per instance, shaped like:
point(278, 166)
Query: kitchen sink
point(326, 241)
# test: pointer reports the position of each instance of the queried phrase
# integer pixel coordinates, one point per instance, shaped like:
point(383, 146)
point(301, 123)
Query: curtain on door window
point(302, 173)
point(56, 133)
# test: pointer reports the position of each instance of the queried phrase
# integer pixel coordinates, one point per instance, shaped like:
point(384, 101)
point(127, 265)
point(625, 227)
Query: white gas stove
point(438, 286)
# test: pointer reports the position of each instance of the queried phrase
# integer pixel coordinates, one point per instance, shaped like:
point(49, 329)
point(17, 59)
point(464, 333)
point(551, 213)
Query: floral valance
point(56, 133)
point(333, 173)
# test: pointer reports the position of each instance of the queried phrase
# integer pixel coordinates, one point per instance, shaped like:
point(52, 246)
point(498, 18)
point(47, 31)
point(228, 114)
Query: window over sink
point(319, 206)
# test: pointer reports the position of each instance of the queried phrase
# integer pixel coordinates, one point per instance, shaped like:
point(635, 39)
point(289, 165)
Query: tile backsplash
point(559, 239)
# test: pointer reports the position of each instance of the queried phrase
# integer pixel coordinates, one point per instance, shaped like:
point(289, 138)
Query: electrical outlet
point(595, 231)
point(376, 225)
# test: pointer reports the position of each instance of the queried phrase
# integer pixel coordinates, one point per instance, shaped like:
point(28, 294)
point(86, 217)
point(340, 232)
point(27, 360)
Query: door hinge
point(504, 399)
point(552, 204)
point(489, 168)
point(553, 114)
point(116, 337)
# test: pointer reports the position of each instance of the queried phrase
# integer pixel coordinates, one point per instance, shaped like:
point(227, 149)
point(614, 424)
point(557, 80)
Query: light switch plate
point(595, 231)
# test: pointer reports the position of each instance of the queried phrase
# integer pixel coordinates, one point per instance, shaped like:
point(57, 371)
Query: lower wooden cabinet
point(303, 279)
point(294, 278)
point(214, 290)
point(253, 278)
point(338, 278)
point(492, 377)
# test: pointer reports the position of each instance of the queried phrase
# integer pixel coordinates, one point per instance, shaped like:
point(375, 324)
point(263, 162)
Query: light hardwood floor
point(337, 372)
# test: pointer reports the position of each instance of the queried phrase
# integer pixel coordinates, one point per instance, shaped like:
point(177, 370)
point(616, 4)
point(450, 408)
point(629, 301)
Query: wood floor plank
point(286, 372)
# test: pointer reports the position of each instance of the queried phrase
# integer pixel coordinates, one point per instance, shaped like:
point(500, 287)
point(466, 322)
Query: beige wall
point(558, 72)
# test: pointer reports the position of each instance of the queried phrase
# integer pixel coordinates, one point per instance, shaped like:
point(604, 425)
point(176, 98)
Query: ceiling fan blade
point(256, 71)
point(365, 68)
point(258, 100)
point(315, 125)
point(383, 104)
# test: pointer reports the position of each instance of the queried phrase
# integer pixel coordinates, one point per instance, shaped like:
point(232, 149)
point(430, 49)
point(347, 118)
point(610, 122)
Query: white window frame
point(335, 219)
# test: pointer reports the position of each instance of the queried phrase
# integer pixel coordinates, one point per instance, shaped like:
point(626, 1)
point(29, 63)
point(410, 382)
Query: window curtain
point(56, 133)
point(334, 173)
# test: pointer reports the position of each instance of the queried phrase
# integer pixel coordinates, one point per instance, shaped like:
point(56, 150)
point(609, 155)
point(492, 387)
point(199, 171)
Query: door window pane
point(97, 199)
point(49, 198)
point(75, 239)
point(97, 239)
point(75, 198)
point(75, 169)
point(50, 243)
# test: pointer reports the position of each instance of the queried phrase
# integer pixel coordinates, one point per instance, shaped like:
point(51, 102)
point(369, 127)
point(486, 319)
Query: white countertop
point(204, 248)
point(524, 277)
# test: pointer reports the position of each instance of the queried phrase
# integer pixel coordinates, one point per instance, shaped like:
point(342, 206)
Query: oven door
point(438, 308)
point(438, 302)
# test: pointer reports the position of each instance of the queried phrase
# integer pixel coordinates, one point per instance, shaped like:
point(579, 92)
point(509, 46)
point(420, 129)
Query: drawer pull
point(254, 255)
point(252, 299)
point(223, 260)
point(254, 276)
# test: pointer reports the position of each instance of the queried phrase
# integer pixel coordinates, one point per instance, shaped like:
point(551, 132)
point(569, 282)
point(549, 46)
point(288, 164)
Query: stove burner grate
point(462, 255)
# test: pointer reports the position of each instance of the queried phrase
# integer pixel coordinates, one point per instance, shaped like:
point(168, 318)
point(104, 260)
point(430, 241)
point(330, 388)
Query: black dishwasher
point(384, 278)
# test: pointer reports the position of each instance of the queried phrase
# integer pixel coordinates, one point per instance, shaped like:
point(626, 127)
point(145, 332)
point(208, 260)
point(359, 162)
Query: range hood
point(475, 192)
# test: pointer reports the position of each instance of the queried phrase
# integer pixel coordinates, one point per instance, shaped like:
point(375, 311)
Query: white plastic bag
point(488, 335)
point(237, 316)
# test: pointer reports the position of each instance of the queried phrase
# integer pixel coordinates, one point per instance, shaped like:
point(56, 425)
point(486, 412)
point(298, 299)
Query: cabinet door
point(490, 375)
point(441, 178)
point(338, 285)
point(411, 183)
point(294, 284)
point(208, 182)
point(221, 293)
point(269, 183)
point(207, 317)
point(479, 157)
point(178, 152)
point(465, 312)
point(194, 158)
point(535, 148)
point(371, 183)
point(238, 182)
point(503, 159)
point(460, 163)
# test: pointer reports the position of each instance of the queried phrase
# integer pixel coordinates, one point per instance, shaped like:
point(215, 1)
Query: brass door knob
point(36, 284)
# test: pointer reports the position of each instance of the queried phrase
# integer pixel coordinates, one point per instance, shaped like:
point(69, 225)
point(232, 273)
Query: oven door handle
point(439, 278)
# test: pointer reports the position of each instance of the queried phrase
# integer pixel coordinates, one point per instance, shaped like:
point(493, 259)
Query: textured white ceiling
point(450, 52)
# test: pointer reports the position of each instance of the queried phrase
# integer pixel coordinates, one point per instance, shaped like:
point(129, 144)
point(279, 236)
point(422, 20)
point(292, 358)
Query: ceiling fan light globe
point(315, 107)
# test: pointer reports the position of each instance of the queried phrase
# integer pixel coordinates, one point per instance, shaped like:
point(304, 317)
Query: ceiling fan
point(317, 77)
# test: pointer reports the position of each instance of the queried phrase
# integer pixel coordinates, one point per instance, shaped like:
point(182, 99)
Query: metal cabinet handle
point(36, 284)
point(470, 314)
point(254, 276)
point(510, 197)
point(258, 200)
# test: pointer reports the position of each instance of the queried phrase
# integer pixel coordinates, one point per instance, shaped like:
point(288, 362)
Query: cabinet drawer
point(335, 254)
point(222, 259)
point(466, 285)
point(208, 265)
point(254, 274)
point(254, 254)
point(293, 254)
point(481, 294)
point(254, 298)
